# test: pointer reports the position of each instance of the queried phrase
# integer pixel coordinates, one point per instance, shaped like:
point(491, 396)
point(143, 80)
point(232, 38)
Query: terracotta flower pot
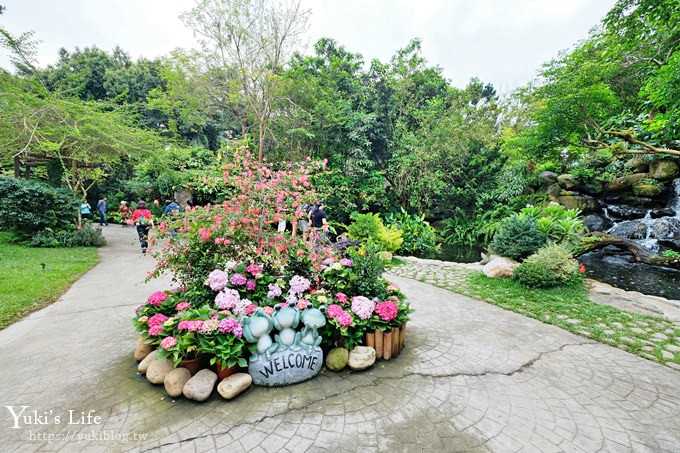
point(226, 372)
point(193, 365)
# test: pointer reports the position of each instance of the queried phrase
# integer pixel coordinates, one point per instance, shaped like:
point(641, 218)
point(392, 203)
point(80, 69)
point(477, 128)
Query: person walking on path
point(101, 208)
point(125, 213)
point(142, 219)
point(85, 210)
point(319, 222)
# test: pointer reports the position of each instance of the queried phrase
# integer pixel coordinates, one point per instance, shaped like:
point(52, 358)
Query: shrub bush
point(561, 225)
point(370, 227)
point(29, 206)
point(551, 266)
point(518, 238)
point(85, 237)
point(418, 236)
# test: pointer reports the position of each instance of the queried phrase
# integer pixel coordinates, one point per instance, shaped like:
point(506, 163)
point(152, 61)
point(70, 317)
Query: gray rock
point(286, 367)
point(337, 359)
point(234, 385)
point(144, 364)
point(142, 350)
point(158, 369)
point(175, 380)
point(567, 181)
point(583, 202)
point(637, 165)
point(663, 169)
point(595, 222)
point(548, 176)
point(200, 387)
point(499, 267)
point(624, 183)
point(553, 190)
point(643, 189)
point(361, 357)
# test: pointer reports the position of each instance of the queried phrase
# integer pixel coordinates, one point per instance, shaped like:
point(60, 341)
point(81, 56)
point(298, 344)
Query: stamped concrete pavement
point(473, 377)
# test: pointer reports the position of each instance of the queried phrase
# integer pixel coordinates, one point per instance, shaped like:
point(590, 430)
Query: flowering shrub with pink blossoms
point(229, 259)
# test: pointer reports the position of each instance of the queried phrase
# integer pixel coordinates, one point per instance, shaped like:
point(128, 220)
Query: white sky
point(500, 41)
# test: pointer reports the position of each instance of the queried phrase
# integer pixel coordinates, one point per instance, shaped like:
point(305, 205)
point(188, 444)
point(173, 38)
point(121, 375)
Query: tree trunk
point(641, 254)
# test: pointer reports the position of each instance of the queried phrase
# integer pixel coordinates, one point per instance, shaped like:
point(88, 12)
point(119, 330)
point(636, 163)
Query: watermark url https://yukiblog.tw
point(36, 422)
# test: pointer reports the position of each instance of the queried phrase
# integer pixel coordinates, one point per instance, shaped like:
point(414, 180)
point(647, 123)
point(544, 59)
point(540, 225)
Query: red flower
point(582, 268)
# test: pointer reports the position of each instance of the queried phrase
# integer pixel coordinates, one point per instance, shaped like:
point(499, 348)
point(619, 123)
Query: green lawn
point(26, 285)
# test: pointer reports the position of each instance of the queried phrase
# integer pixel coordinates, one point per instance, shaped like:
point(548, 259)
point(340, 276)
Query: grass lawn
point(26, 285)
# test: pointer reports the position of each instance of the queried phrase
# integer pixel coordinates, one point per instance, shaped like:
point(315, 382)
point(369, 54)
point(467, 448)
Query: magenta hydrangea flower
point(362, 307)
point(386, 310)
point(238, 279)
point(274, 291)
point(227, 299)
point(250, 309)
point(342, 298)
point(328, 261)
point(155, 330)
point(157, 320)
point(168, 342)
point(231, 325)
point(299, 284)
point(182, 306)
point(344, 319)
point(157, 298)
point(346, 262)
point(217, 280)
point(334, 310)
point(254, 269)
point(250, 285)
point(195, 325)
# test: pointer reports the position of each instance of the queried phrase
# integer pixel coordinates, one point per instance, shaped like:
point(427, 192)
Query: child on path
point(143, 220)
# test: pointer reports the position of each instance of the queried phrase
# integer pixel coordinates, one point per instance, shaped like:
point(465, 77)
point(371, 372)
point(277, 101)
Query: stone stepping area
point(472, 377)
point(641, 337)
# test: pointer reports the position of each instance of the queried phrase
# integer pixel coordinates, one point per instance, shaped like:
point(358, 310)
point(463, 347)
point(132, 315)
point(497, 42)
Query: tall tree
point(247, 42)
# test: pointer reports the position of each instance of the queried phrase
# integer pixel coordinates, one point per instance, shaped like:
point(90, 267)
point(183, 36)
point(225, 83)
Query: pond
point(618, 272)
point(456, 253)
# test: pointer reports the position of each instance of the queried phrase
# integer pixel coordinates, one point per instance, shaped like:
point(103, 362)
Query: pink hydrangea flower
point(344, 319)
point(268, 311)
point(155, 330)
point(346, 262)
point(274, 291)
point(231, 325)
point(392, 287)
point(299, 284)
point(157, 320)
point(342, 298)
point(217, 280)
point(240, 308)
point(210, 325)
point(328, 261)
point(254, 269)
point(250, 309)
point(333, 311)
point(195, 325)
point(238, 279)
point(386, 310)
point(227, 299)
point(362, 306)
point(168, 342)
point(250, 285)
point(182, 306)
point(157, 298)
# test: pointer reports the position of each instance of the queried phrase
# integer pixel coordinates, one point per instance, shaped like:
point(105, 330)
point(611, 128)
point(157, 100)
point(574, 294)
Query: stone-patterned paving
point(473, 377)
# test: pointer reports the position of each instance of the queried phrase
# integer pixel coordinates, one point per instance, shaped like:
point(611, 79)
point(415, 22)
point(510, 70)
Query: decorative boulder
point(234, 385)
point(201, 386)
point(142, 350)
point(585, 203)
point(500, 267)
point(158, 369)
point(637, 165)
point(286, 367)
point(548, 176)
point(144, 364)
point(643, 189)
point(624, 183)
point(175, 380)
point(567, 181)
point(337, 359)
point(663, 169)
point(553, 190)
point(596, 222)
point(361, 357)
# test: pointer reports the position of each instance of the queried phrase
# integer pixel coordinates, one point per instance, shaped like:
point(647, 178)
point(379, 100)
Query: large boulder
point(568, 181)
point(593, 187)
point(286, 367)
point(624, 183)
point(596, 222)
point(337, 358)
point(500, 267)
point(663, 169)
point(553, 190)
point(175, 380)
point(645, 189)
point(637, 165)
point(234, 385)
point(144, 364)
point(583, 202)
point(142, 350)
point(201, 386)
point(548, 176)
point(158, 369)
point(361, 357)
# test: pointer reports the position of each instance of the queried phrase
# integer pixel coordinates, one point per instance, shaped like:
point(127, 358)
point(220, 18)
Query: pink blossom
point(328, 261)
point(334, 311)
point(342, 298)
point(168, 342)
point(217, 280)
point(299, 284)
point(250, 309)
point(362, 306)
point(268, 311)
point(238, 279)
point(182, 306)
point(155, 330)
point(157, 298)
point(205, 234)
point(346, 262)
point(250, 285)
point(392, 287)
point(344, 319)
point(274, 291)
point(157, 320)
point(231, 325)
point(386, 310)
point(240, 308)
point(209, 326)
point(254, 269)
point(227, 299)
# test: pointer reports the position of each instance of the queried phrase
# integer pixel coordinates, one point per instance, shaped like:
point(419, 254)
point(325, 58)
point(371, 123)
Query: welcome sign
point(286, 367)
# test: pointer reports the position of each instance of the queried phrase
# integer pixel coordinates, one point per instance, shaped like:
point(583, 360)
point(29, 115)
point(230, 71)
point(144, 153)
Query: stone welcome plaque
point(286, 367)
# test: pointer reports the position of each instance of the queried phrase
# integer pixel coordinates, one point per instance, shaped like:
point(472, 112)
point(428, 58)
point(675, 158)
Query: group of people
point(314, 216)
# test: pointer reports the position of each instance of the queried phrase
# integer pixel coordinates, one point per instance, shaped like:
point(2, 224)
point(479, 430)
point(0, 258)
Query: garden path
point(473, 377)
